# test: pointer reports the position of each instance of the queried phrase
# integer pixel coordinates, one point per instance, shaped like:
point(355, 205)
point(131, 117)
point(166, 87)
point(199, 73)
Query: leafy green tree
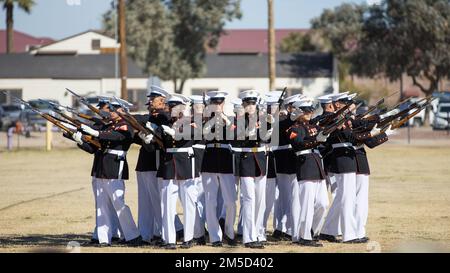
point(298, 42)
point(8, 5)
point(169, 39)
point(341, 27)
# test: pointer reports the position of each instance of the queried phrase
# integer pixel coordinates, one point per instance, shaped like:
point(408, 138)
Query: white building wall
point(82, 44)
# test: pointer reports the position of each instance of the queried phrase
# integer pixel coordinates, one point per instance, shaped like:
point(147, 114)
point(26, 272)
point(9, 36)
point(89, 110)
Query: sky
point(62, 18)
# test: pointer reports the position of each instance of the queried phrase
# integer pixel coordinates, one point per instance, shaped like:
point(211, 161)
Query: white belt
point(249, 150)
point(278, 148)
point(116, 152)
point(342, 145)
point(359, 147)
point(180, 150)
point(199, 146)
point(218, 145)
point(121, 163)
point(305, 152)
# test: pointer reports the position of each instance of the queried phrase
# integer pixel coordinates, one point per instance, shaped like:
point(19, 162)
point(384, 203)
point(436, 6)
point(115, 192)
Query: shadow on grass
point(42, 240)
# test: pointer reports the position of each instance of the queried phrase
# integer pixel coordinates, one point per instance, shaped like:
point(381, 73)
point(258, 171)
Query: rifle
point(334, 126)
point(58, 123)
point(77, 123)
point(329, 119)
point(137, 126)
point(281, 98)
point(85, 102)
point(401, 114)
point(398, 124)
point(374, 107)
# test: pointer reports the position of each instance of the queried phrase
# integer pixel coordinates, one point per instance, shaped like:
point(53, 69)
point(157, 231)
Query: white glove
point(146, 138)
point(270, 119)
point(168, 130)
point(252, 133)
point(151, 126)
point(69, 126)
point(88, 130)
point(375, 131)
point(321, 137)
point(225, 118)
point(390, 113)
point(389, 131)
point(77, 137)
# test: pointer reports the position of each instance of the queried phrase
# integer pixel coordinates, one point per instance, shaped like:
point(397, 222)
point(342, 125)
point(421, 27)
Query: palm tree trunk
point(9, 28)
point(271, 35)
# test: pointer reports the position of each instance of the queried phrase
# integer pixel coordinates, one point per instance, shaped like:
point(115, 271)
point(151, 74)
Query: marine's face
point(156, 103)
point(249, 107)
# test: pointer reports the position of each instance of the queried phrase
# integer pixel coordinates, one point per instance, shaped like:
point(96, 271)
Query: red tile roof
point(250, 40)
point(22, 41)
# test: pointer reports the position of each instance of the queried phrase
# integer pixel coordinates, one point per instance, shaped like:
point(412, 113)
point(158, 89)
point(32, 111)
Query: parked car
point(442, 116)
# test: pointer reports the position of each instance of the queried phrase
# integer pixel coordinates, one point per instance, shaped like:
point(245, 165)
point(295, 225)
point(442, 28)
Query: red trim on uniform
point(293, 135)
point(123, 128)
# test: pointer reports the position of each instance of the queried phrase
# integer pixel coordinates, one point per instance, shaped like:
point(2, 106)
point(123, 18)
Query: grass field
point(47, 201)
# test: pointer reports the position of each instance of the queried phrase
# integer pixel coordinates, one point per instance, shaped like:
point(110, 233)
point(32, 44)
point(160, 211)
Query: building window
point(138, 97)
point(95, 44)
point(8, 98)
point(199, 91)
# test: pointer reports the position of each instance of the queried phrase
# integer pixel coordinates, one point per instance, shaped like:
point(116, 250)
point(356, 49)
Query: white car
point(442, 116)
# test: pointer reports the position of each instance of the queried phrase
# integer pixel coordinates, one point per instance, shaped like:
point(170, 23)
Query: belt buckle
point(254, 150)
point(216, 145)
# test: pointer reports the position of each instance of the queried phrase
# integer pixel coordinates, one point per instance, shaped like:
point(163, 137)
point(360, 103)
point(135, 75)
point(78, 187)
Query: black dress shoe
point(201, 241)
point(217, 244)
point(157, 241)
point(354, 241)
point(169, 246)
point(93, 242)
point(187, 244)
point(309, 243)
point(329, 238)
point(286, 237)
point(115, 239)
point(104, 245)
point(135, 242)
point(277, 234)
point(230, 242)
point(254, 245)
point(364, 239)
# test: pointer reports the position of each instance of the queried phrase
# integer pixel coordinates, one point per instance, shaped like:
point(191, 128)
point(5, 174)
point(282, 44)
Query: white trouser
point(332, 184)
point(211, 182)
point(271, 184)
point(200, 217)
point(253, 207)
point(312, 209)
point(320, 207)
point(362, 204)
point(342, 210)
point(178, 223)
point(115, 222)
point(282, 213)
point(111, 192)
point(149, 205)
point(239, 225)
point(187, 192)
point(221, 210)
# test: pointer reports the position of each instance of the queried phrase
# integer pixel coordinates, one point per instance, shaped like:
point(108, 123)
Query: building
point(87, 63)
point(22, 42)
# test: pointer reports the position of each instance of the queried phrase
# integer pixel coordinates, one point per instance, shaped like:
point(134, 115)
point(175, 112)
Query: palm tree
point(9, 6)
point(271, 34)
